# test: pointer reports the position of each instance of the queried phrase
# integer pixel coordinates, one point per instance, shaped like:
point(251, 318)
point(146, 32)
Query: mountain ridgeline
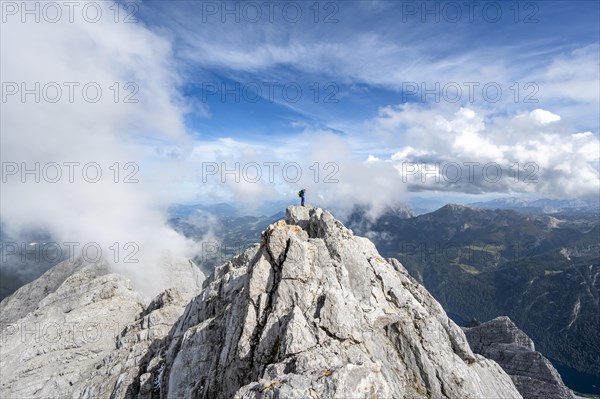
point(311, 311)
point(541, 271)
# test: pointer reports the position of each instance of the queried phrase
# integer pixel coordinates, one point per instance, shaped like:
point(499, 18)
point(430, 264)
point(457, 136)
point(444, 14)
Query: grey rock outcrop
point(314, 312)
point(64, 329)
point(502, 341)
point(26, 298)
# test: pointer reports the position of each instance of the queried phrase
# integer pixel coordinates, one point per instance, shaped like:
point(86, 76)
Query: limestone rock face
point(534, 376)
point(314, 312)
point(60, 332)
point(26, 298)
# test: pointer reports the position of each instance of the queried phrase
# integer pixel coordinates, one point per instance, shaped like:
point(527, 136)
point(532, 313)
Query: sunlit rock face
point(314, 312)
point(80, 330)
point(311, 311)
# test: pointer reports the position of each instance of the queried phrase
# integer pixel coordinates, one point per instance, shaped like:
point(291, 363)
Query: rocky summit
point(312, 311)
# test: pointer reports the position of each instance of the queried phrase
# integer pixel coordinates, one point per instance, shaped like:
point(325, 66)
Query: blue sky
point(371, 127)
point(369, 64)
point(367, 55)
point(376, 145)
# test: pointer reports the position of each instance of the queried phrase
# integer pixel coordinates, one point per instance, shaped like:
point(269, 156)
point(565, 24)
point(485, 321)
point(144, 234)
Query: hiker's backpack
point(300, 193)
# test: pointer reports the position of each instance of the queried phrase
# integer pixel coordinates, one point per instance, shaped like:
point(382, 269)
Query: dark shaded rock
point(534, 376)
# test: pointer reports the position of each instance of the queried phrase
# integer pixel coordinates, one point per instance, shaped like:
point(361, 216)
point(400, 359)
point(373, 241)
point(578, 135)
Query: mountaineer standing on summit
point(301, 195)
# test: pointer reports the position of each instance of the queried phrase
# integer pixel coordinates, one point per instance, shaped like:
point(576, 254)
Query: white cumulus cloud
point(544, 117)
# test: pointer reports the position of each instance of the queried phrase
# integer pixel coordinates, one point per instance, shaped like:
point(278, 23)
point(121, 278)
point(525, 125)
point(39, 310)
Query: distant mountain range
point(411, 207)
point(225, 209)
point(543, 205)
point(230, 234)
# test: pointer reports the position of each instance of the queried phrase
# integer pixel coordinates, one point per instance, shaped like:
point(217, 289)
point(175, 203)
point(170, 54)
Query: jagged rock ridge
point(534, 376)
point(315, 312)
point(311, 312)
point(81, 319)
